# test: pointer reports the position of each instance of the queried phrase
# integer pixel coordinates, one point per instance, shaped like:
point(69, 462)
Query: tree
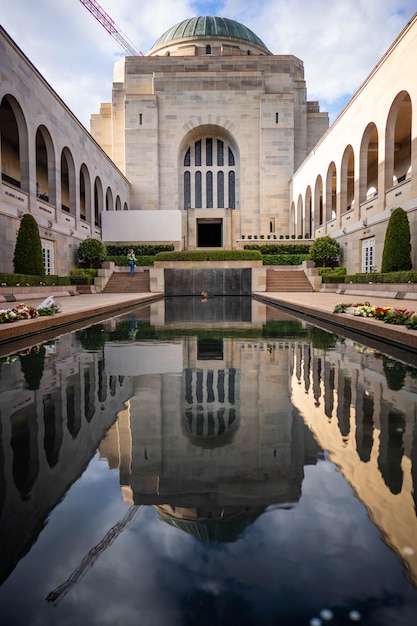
point(28, 255)
point(325, 251)
point(92, 252)
point(397, 245)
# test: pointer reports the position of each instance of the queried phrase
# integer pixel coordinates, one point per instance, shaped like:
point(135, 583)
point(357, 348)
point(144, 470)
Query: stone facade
point(365, 165)
point(218, 130)
point(43, 142)
point(180, 112)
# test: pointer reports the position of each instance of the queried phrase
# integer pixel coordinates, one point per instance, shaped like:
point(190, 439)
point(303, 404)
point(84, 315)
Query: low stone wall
point(399, 291)
point(25, 294)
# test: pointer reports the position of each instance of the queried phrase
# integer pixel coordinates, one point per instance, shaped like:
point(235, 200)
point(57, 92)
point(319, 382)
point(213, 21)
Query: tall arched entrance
point(209, 187)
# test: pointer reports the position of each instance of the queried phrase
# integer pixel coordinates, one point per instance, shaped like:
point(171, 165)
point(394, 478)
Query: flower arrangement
point(26, 312)
point(388, 314)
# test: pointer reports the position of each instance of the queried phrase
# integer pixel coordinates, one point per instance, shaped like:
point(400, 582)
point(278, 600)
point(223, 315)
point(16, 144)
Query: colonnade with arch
point(372, 173)
point(39, 167)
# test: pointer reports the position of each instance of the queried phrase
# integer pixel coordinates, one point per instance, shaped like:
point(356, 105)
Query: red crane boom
point(106, 21)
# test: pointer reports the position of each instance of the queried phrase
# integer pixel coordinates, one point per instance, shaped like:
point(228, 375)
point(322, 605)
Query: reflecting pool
point(207, 462)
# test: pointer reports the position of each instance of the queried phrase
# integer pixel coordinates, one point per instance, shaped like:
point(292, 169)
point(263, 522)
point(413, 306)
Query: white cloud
point(339, 42)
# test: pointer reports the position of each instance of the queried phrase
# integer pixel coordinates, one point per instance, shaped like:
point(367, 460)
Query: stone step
point(287, 280)
point(120, 282)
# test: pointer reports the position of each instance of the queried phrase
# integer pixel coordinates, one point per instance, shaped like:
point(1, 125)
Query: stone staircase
point(119, 282)
point(287, 280)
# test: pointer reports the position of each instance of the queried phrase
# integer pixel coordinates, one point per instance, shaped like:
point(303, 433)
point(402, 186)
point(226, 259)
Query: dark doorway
point(209, 234)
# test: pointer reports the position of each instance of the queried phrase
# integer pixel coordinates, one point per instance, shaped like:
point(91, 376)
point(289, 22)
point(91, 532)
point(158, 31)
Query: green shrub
point(91, 252)
point(396, 255)
point(82, 279)
point(276, 248)
point(210, 255)
point(332, 271)
point(142, 261)
point(325, 250)
point(84, 271)
point(139, 250)
point(284, 259)
point(25, 280)
point(389, 278)
point(28, 255)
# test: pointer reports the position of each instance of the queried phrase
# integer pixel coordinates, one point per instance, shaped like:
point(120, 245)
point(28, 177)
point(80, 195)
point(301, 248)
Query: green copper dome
point(209, 26)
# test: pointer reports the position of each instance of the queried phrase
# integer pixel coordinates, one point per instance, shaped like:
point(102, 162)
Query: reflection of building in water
point(54, 411)
point(213, 441)
point(353, 405)
point(210, 409)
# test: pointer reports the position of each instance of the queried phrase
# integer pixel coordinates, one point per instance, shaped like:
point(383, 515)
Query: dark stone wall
point(217, 309)
point(216, 282)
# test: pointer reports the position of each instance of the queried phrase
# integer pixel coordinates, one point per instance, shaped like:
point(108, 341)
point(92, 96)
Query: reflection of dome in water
point(222, 526)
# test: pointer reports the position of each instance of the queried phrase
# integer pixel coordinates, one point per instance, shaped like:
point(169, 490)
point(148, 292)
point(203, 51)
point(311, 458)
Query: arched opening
point(85, 194)
point(299, 226)
point(109, 200)
point(368, 175)
point(293, 218)
point(318, 203)
point(347, 180)
point(14, 144)
point(209, 184)
point(398, 141)
point(98, 201)
point(45, 166)
point(67, 182)
point(331, 192)
point(308, 214)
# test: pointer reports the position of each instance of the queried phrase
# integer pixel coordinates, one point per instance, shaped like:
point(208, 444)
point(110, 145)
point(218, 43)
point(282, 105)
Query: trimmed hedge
point(279, 248)
point(25, 280)
point(284, 259)
point(82, 279)
point(142, 261)
point(140, 250)
point(84, 271)
point(210, 255)
point(375, 277)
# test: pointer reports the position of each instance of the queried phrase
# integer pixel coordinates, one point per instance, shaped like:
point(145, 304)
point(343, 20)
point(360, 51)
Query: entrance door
point(209, 234)
point(368, 254)
point(48, 256)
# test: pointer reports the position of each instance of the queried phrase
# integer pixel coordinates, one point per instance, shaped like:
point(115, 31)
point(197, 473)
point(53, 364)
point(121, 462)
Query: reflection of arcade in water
point(212, 440)
point(55, 407)
point(361, 407)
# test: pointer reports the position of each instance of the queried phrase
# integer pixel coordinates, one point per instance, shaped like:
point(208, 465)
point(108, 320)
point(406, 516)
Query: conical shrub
point(397, 245)
point(28, 256)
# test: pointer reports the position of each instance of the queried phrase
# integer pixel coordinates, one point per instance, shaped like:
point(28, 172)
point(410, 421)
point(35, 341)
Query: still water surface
point(207, 463)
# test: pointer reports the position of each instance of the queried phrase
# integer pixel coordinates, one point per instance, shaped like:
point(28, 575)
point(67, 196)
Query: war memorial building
point(209, 141)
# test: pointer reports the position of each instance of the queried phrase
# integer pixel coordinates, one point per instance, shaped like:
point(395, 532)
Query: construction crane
point(106, 21)
point(88, 561)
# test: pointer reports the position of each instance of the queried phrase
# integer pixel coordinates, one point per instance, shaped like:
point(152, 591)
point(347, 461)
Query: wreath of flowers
point(388, 314)
point(26, 312)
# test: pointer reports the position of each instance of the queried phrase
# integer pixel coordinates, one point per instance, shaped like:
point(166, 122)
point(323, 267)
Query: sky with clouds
point(339, 42)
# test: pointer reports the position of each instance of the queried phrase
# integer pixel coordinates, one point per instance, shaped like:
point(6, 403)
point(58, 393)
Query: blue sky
point(339, 42)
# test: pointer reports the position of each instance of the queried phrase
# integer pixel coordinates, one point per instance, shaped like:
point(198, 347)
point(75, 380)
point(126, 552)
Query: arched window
point(208, 182)
point(187, 190)
point(209, 190)
point(198, 190)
